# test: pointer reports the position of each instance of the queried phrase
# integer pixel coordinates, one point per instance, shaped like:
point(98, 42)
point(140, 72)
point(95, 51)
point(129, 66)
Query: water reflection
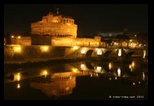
point(60, 84)
point(60, 80)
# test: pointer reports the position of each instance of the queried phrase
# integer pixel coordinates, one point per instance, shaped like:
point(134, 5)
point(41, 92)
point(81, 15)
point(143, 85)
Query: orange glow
point(133, 64)
point(44, 48)
point(17, 77)
point(98, 69)
point(44, 73)
point(12, 36)
point(19, 37)
point(75, 47)
point(110, 66)
point(18, 86)
point(17, 49)
point(68, 24)
point(74, 70)
point(83, 51)
point(119, 72)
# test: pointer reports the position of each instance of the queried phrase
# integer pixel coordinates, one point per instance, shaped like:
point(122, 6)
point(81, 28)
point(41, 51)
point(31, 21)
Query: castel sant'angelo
point(61, 30)
point(55, 25)
point(55, 30)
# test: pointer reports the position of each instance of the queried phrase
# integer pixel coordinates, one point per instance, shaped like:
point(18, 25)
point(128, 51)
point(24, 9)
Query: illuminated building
point(55, 25)
point(55, 30)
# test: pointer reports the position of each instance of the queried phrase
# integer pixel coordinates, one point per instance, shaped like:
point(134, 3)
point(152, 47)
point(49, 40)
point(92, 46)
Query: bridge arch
point(129, 54)
point(89, 65)
point(89, 53)
point(107, 53)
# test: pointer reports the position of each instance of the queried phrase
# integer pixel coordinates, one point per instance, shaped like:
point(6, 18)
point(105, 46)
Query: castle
point(55, 30)
point(55, 26)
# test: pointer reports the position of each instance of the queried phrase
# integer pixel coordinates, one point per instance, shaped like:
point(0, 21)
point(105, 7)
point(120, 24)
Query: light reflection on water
point(97, 80)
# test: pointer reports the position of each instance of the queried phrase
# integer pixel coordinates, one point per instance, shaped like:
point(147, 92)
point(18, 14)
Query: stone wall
point(21, 40)
point(30, 53)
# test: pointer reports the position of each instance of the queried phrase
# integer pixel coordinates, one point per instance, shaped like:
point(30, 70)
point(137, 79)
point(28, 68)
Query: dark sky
point(90, 18)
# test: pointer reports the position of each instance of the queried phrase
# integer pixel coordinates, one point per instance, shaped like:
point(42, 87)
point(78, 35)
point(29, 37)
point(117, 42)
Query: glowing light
point(83, 51)
point(74, 70)
point(12, 36)
point(139, 82)
point(110, 78)
point(133, 83)
point(83, 67)
point(110, 66)
point(44, 72)
point(18, 86)
point(130, 40)
point(44, 48)
point(18, 77)
point(19, 37)
point(75, 47)
point(119, 52)
point(133, 64)
point(17, 49)
point(98, 69)
point(115, 78)
point(91, 75)
point(119, 72)
point(99, 52)
point(143, 74)
point(130, 66)
point(144, 53)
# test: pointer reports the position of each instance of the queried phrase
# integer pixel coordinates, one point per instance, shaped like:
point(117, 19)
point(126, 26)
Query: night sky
point(90, 18)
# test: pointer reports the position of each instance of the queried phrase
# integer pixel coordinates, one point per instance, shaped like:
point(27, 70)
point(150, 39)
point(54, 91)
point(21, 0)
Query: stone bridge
point(20, 53)
point(109, 52)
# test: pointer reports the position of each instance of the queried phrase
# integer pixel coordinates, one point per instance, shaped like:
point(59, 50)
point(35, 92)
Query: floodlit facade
point(55, 26)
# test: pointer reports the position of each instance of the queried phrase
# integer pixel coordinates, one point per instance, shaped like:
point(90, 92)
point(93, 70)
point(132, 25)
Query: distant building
point(55, 26)
point(109, 34)
point(112, 40)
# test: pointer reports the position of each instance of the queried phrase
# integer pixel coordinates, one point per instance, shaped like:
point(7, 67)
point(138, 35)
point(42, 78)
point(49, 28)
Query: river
point(82, 80)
